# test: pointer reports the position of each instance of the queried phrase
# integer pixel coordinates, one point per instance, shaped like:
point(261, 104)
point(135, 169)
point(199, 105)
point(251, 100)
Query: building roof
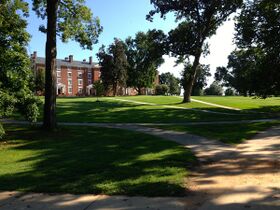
point(67, 63)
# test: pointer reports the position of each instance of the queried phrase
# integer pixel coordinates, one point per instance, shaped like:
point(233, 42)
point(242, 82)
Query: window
point(89, 81)
point(58, 74)
point(70, 90)
point(69, 81)
point(80, 75)
point(80, 90)
point(69, 74)
point(89, 75)
point(80, 82)
point(58, 80)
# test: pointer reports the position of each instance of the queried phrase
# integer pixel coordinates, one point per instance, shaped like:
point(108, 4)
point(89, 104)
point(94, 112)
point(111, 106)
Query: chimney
point(70, 58)
point(66, 58)
point(90, 60)
point(84, 60)
point(34, 54)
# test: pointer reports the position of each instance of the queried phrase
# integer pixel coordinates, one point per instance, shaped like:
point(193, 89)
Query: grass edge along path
point(224, 132)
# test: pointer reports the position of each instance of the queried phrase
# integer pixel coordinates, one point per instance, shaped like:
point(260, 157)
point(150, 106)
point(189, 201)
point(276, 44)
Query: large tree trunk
point(191, 79)
point(50, 87)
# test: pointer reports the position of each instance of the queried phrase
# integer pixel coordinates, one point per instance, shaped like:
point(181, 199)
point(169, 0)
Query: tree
point(241, 71)
point(200, 82)
point(16, 82)
point(199, 21)
point(161, 89)
point(214, 89)
point(99, 88)
point(258, 38)
point(173, 83)
point(69, 20)
point(144, 55)
point(229, 92)
point(40, 80)
point(114, 66)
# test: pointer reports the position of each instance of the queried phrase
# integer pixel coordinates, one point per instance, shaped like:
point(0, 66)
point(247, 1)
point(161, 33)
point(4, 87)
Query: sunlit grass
point(92, 160)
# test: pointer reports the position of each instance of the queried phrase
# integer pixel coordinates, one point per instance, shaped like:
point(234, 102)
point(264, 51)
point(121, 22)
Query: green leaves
point(144, 55)
point(15, 73)
point(75, 21)
point(114, 65)
point(254, 68)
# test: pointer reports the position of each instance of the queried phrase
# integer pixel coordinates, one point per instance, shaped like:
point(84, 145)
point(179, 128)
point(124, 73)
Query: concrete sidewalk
point(39, 201)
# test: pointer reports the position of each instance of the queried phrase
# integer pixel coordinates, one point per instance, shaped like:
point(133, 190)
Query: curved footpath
point(246, 176)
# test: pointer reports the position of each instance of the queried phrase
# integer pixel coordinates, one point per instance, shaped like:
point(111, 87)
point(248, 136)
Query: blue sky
point(123, 18)
point(120, 19)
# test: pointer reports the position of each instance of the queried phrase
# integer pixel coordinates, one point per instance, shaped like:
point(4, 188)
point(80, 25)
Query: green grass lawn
point(109, 110)
point(113, 111)
point(92, 160)
point(270, 105)
point(227, 133)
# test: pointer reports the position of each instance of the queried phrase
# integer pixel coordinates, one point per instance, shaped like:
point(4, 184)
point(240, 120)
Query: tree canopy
point(173, 83)
point(74, 21)
point(201, 78)
point(214, 89)
point(114, 65)
point(66, 19)
point(144, 55)
point(199, 21)
point(16, 82)
point(253, 68)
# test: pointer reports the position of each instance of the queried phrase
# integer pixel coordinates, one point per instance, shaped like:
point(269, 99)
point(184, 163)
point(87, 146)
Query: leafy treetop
point(74, 21)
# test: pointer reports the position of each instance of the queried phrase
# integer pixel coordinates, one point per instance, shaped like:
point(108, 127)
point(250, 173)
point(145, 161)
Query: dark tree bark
point(191, 79)
point(50, 87)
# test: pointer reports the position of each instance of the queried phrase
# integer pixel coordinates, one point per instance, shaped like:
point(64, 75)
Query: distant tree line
point(254, 67)
point(133, 62)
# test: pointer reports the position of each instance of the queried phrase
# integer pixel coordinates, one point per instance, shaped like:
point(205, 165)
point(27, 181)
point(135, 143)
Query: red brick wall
point(64, 78)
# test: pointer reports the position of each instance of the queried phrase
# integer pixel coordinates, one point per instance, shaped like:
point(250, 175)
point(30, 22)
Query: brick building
point(74, 78)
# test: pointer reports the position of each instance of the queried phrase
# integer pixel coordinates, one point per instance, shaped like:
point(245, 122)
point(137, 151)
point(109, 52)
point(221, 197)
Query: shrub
point(229, 92)
point(214, 89)
point(161, 89)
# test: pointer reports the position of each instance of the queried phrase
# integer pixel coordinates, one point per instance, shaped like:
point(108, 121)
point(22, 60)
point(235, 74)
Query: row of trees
point(133, 62)
point(253, 68)
point(16, 83)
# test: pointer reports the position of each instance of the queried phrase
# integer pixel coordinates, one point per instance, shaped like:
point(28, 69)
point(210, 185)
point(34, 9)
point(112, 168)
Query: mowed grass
point(227, 133)
point(269, 105)
point(163, 109)
point(114, 111)
point(92, 160)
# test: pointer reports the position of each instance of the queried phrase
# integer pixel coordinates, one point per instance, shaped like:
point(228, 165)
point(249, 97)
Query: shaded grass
point(87, 110)
point(227, 133)
point(112, 111)
point(92, 160)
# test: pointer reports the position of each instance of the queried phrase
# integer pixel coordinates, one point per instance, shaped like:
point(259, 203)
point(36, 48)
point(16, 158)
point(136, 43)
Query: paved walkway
point(177, 107)
point(146, 124)
point(243, 177)
point(216, 105)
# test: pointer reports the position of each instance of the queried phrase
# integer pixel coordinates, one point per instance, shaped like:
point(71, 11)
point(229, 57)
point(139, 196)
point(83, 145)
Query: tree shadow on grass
point(111, 112)
point(95, 161)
